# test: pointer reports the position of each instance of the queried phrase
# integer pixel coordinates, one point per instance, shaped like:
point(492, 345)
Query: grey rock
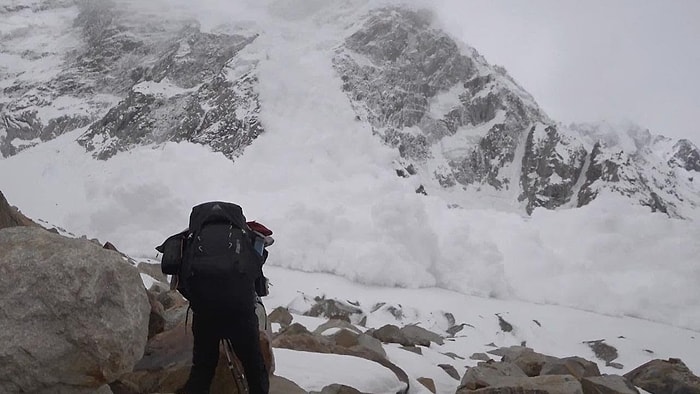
point(371, 343)
point(528, 360)
point(548, 177)
point(335, 323)
point(68, 337)
point(337, 389)
point(11, 216)
point(602, 350)
point(450, 370)
point(413, 349)
point(480, 357)
point(553, 384)
point(335, 309)
point(607, 384)
point(281, 316)
point(420, 336)
point(665, 376)
point(489, 373)
point(686, 156)
point(576, 366)
point(390, 333)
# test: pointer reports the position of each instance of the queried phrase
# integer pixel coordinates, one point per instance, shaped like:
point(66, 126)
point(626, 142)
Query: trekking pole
point(235, 368)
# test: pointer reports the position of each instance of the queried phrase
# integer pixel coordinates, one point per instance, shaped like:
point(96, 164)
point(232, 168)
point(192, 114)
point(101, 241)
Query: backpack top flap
point(215, 211)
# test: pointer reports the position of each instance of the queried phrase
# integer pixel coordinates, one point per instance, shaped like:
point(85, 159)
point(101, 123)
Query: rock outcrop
point(665, 376)
point(74, 315)
point(11, 216)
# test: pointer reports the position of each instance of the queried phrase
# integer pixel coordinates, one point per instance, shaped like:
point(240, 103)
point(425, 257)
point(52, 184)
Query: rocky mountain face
point(131, 79)
point(464, 123)
point(458, 123)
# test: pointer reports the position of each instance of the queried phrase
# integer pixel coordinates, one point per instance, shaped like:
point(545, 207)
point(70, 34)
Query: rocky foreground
point(77, 319)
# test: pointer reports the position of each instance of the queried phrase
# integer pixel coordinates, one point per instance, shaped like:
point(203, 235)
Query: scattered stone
point(453, 356)
point(505, 326)
point(602, 350)
point(450, 370)
point(615, 365)
point(428, 383)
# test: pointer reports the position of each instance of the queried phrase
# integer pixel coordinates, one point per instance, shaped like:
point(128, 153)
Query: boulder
point(281, 316)
point(170, 299)
point(420, 336)
point(156, 318)
point(664, 376)
point(334, 309)
point(75, 316)
point(280, 385)
point(335, 323)
point(152, 270)
point(552, 384)
point(337, 389)
point(297, 337)
point(528, 360)
point(607, 384)
point(489, 373)
point(575, 366)
point(390, 334)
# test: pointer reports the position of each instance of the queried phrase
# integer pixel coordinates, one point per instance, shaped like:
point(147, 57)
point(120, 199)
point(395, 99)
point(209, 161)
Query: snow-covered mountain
point(323, 119)
point(460, 125)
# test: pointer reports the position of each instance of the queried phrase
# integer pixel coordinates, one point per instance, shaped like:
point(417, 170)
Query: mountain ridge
point(457, 122)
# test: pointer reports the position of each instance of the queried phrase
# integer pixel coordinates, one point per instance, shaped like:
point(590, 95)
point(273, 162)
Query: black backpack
point(219, 265)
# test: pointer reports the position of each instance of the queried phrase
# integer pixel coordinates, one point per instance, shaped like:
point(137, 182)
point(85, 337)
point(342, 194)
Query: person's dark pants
point(241, 328)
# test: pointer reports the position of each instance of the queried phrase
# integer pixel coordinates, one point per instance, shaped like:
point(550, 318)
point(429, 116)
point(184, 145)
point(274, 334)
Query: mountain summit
point(461, 126)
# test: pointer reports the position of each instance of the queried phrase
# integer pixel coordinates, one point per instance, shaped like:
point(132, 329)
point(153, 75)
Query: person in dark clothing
point(221, 275)
point(241, 328)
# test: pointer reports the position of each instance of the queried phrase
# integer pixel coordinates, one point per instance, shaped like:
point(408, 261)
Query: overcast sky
point(588, 60)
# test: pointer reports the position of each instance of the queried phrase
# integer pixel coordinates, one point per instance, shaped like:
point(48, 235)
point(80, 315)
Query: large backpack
point(220, 265)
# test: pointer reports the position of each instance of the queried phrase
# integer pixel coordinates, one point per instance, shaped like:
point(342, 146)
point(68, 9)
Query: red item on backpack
point(259, 228)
